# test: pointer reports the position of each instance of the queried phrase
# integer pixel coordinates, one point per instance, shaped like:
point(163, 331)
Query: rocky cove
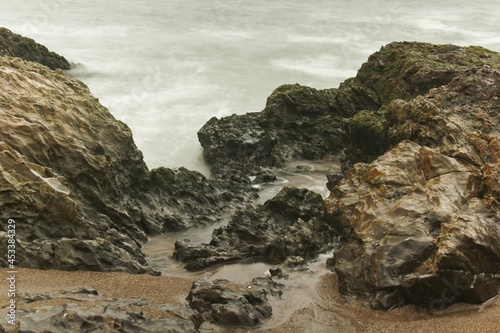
point(412, 216)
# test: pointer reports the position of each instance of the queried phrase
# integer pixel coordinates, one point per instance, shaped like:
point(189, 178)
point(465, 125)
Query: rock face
point(14, 45)
point(76, 184)
point(292, 223)
point(421, 222)
point(298, 123)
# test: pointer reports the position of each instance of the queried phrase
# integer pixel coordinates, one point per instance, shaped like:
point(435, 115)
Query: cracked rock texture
point(421, 223)
point(76, 184)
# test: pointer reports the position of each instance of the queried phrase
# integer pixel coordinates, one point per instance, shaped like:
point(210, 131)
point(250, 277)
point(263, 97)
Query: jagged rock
point(84, 310)
point(229, 306)
point(420, 223)
point(15, 45)
point(76, 184)
point(304, 123)
point(298, 123)
point(289, 224)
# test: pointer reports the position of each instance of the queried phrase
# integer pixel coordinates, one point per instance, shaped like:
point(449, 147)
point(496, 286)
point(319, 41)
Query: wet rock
point(419, 222)
point(15, 45)
point(349, 122)
point(298, 123)
point(84, 310)
point(76, 184)
point(289, 224)
point(227, 305)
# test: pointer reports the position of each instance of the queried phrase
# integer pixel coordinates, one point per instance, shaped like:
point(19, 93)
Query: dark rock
point(83, 310)
point(419, 222)
point(14, 45)
point(76, 184)
point(298, 123)
point(230, 306)
point(289, 224)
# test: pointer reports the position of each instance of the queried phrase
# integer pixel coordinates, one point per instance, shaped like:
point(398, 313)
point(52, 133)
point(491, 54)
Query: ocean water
point(167, 66)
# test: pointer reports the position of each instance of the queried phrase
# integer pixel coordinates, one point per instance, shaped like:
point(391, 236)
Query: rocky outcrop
point(14, 45)
point(298, 123)
point(76, 184)
point(228, 305)
point(84, 310)
point(417, 203)
point(421, 221)
point(292, 223)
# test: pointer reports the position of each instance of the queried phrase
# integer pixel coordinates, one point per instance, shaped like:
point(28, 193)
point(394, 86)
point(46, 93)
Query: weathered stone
point(76, 184)
point(298, 123)
point(289, 224)
point(246, 306)
point(14, 45)
point(421, 221)
point(84, 310)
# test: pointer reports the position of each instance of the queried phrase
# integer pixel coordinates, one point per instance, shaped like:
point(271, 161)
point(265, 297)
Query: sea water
point(165, 67)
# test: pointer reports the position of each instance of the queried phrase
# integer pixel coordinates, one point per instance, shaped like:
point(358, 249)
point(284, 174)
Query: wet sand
point(315, 307)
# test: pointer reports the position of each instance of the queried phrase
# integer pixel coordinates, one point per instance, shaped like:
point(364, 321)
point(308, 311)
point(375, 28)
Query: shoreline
point(327, 309)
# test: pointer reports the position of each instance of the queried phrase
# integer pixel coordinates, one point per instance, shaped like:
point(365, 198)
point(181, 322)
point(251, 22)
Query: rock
point(289, 224)
point(15, 45)
point(227, 305)
point(84, 310)
point(76, 184)
point(420, 222)
point(298, 123)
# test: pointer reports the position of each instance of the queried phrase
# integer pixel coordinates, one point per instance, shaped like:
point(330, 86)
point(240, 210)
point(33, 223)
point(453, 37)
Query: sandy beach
point(323, 310)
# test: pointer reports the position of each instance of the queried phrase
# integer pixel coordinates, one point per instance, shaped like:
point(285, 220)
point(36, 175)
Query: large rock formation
point(419, 215)
point(76, 184)
point(421, 223)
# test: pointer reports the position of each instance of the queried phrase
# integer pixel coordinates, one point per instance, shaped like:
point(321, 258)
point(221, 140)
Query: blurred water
point(166, 66)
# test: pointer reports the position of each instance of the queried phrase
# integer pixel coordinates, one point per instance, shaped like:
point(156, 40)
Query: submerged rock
point(421, 221)
point(292, 223)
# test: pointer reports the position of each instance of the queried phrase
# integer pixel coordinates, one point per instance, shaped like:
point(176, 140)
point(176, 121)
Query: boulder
point(298, 122)
point(229, 305)
point(290, 224)
point(420, 223)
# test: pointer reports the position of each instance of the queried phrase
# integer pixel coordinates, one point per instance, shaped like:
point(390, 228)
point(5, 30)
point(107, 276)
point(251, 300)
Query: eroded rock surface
point(298, 123)
point(228, 305)
point(421, 222)
point(84, 310)
point(417, 203)
point(292, 223)
point(76, 184)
